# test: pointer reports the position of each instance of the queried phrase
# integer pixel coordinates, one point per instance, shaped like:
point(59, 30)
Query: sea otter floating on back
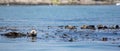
point(33, 33)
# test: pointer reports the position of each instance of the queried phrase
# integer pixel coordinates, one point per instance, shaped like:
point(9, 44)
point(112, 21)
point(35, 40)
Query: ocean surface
point(59, 15)
point(45, 20)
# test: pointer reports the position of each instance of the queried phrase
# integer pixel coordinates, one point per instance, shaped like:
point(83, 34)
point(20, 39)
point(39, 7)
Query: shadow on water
point(33, 39)
point(24, 38)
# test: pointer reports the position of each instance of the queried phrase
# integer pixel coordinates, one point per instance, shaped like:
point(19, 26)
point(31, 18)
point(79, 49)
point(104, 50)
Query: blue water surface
point(23, 17)
point(59, 15)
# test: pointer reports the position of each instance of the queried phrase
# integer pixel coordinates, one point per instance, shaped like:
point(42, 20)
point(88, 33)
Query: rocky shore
point(58, 2)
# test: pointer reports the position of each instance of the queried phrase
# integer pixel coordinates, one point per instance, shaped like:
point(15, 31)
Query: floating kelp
point(68, 33)
point(14, 34)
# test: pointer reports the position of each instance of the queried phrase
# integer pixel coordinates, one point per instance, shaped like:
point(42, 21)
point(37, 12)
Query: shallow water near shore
point(47, 19)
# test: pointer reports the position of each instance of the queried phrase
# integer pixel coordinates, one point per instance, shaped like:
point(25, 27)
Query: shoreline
point(42, 4)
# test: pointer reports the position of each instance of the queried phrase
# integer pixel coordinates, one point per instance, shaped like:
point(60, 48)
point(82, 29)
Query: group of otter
point(33, 32)
point(93, 27)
